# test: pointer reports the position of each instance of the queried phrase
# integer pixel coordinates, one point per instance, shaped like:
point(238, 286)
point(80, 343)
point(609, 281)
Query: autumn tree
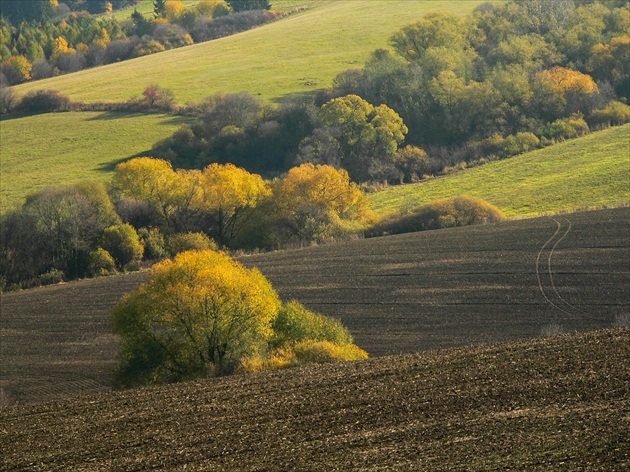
point(229, 195)
point(17, 69)
point(611, 62)
point(153, 181)
point(562, 91)
point(319, 202)
point(197, 316)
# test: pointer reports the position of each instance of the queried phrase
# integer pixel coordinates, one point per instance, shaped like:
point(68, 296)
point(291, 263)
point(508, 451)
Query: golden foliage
point(562, 81)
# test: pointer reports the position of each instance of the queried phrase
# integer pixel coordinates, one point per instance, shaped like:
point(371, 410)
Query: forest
point(44, 38)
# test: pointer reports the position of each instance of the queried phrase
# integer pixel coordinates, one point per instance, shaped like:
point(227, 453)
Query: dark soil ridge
point(397, 294)
point(558, 403)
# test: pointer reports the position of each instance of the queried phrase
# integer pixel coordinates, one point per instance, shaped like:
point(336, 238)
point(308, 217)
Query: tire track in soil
point(549, 269)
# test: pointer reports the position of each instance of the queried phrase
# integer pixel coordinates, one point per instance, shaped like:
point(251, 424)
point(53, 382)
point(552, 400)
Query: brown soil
point(397, 294)
point(557, 403)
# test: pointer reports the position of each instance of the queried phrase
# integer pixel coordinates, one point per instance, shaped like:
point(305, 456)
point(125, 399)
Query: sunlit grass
point(66, 148)
point(300, 53)
point(588, 172)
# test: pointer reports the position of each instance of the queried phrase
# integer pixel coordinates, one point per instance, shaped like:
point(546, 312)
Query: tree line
point(506, 79)
point(44, 38)
point(152, 211)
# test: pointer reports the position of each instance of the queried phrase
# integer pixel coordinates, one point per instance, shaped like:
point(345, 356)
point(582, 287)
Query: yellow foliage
point(228, 188)
point(323, 186)
point(60, 47)
point(173, 9)
point(561, 81)
point(200, 311)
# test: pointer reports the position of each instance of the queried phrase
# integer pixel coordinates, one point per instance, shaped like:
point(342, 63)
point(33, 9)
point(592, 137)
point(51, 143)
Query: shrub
point(7, 100)
point(518, 144)
point(295, 323)
point(445, 213)
point(153, 242)
point(43, 101)
point(17, 69)
point(566, 128)
point(308, 351)
point(181, 242)
point(123, 243)
point(613, 114)
point(101, 263)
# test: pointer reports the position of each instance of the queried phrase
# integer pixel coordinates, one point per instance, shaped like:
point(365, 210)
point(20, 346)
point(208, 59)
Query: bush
point(445, 213)
point(566, 128)
point(295, 323)
point(181, 242)
point(320, 352)
point(7, 100)
point(519, 143)
point(613, 114)
point(101, 263)
point(43, 101)
point(123, 243)
point(153, 242)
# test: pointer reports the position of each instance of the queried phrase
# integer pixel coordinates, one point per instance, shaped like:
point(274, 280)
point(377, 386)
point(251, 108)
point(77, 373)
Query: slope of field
point(298, 54)
point(397, 294)
point(589, 172)
point(68, 148)
point(553, 404)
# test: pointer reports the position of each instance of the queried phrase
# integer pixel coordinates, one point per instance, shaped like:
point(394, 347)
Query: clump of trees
point(203, 314)
point(238, 209)
point(64, 233)
point(506, 72)
point(43, 38)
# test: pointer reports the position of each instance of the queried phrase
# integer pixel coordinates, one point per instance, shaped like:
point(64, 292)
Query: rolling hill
point(396, 294)
point(298, 54)
point(67, 148)
point(558, 403)
point(588, 172)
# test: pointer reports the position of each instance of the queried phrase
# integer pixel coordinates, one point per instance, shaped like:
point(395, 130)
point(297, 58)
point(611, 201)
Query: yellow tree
point(153, 181)
point(197, 316)
point(562, 91)
point(319, 201)
point(229, 194)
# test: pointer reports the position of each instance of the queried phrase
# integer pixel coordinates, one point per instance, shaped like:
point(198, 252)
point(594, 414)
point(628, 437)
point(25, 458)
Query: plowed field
point(557, 403)
point(397, 294)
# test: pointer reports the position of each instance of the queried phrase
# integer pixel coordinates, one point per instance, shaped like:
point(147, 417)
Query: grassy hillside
point(300, 53)
point(396, 294)
point(589, 172)
point(67, 148)
point(550, 404)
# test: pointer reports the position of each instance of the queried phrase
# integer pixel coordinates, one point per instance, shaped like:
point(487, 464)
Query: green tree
point(243, 5)
point(197, 316)
point(356, 136)
point(123, 244)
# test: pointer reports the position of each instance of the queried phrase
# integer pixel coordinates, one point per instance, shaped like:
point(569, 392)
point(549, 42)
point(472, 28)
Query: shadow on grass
point(119, 115)
point(109, 167)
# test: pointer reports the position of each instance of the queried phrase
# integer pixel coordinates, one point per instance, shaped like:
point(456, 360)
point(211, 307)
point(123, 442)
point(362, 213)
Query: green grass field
point(67, 148)
point(588, 172)
point(300, 53)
